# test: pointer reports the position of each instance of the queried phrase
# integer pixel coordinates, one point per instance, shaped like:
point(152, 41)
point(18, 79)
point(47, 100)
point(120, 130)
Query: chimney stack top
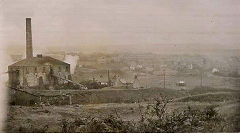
point(29, 49)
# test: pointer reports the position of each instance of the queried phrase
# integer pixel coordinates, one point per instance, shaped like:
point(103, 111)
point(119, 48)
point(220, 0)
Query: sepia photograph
point(168, 66)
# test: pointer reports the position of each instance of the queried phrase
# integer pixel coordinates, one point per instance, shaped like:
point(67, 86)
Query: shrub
point(155, 118)
point(108, 124)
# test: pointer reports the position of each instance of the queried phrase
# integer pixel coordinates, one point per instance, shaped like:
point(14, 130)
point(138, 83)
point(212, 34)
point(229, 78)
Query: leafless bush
point(154, 118)
point(108, 124)
point(157, 119)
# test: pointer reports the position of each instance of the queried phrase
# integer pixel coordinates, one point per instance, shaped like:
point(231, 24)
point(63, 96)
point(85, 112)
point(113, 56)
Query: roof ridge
point(34, 61)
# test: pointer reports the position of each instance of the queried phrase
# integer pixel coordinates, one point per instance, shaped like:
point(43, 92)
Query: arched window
point(59, 68)
point(35, 70)
point(44, 70)
point(67, 69)
point(26, 70)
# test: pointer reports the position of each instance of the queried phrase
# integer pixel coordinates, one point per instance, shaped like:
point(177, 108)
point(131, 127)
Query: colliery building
point(37, 71)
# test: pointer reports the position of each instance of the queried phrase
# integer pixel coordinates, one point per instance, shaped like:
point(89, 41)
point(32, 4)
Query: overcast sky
point(77, 24)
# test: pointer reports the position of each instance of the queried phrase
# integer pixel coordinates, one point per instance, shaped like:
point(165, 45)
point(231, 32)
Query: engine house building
point(39, 70)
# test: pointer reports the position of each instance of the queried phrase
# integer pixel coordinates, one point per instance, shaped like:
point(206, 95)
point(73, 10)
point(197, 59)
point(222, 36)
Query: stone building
point(37, 71)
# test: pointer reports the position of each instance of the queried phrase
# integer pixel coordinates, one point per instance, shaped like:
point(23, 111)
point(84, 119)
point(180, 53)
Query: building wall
point(62, 71)
point(30, 75)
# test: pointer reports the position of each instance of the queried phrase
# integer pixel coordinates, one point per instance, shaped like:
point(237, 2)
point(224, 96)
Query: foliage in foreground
point(155, 118)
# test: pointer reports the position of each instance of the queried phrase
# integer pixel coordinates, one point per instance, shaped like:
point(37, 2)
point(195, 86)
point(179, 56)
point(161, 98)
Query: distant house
point(132, 67)
point(139, 66)
point(190, 66)
point(135, 67)
point(118, 82)
point(215, 70)
point(181, 83)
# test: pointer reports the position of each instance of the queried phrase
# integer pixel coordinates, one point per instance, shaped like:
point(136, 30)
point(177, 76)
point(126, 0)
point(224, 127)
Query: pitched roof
point(36, 61)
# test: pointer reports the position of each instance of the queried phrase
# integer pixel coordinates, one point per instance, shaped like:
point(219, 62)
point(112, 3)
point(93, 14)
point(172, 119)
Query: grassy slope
point(38, 117)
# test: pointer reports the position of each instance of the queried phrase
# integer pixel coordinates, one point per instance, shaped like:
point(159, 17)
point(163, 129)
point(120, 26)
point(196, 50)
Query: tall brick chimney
point(29, 50)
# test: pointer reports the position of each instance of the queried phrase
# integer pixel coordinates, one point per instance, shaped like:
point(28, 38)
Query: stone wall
point(30, 75)
point(62, 71)
point(98, 96)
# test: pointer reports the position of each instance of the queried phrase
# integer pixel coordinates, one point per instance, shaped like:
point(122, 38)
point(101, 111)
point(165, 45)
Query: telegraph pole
point(93, 78)
point(164, 73)
point(202, 72)
point(201, 83)
point(109, 82)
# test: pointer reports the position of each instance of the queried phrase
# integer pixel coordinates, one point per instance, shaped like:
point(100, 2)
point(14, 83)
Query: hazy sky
point(77, 24)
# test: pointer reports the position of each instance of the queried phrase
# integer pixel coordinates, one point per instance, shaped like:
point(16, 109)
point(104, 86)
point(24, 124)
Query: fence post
point(70, 100)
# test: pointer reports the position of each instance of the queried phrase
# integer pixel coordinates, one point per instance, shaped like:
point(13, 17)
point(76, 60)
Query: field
point(191, 81)
point(126, 104)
